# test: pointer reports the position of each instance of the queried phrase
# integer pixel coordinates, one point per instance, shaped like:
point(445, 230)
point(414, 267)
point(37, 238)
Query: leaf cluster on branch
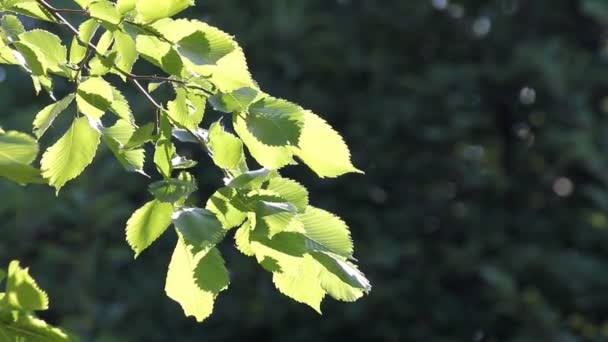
point(308, 250)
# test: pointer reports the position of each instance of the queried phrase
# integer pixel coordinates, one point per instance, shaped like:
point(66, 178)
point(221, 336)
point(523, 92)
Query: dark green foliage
point(466, 139)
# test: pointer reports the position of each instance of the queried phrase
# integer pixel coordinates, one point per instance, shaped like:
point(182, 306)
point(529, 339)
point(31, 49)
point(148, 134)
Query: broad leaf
point(105, 11)
point(275, 122)
point(26, 327)
point(234, 101)
point(302, 283)
point(326, 232)
point(205, 47)
point(292, 191)
point(71, 154)
point(17, 148)
point(195, 279)
point(323, 149)
point(341, 279)
point(187, 109)
point(174, 190)
point(47, 48)
point(126, 51)
point(116, 137)
point(147, 224)
point(199, 228)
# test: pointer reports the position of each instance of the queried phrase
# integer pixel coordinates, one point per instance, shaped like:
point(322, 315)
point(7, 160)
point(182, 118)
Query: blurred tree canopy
point(482, 127)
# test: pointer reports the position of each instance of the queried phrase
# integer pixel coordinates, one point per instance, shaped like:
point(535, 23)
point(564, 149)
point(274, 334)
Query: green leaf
point(32, 9)
point(28, 57)
point(187, 110)
point(44, 119)
point(152, 10)
point(270, 157)
point(326, 232)
point(17, 148)
point(159, 53)
point(199, 228)
point(227, 149)
point(147, 224)
point(292, 191)
point(126, 51)
point(341, 279)
point(120, 107)
point(26, 327)
point(116, 137)
point(302, 283)
point(71, 154)
point(165, 150)
point(195, 279)
point(142, 135)
point(323, 149)
point(174, 190)
point(86, 30)
point(234, 101)
point(273, 213)
point(94, 97)
point(242, 239)
point(223, 203)
point(205, 47)
point(252, 179)
point(275, 122)
point(47, 48)
point(21, 173)
point(22, 292)
point(11, 27)
point(105, 11)
point(125, 6)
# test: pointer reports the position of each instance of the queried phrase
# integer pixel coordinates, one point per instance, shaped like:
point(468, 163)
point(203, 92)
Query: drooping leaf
point(11, 27)
point(142, 135)
point(44, 119)
point(341, 279)
point(242, 239)
point(147, 224)
point(165, 150)
point(86, 30)
point(32, 9)
point(71, 154)
point(21, 173)
point(120, 106)
point(252, 179)
point(159, 53)
point(195, 279)
point(323, 149)
point(302, 283)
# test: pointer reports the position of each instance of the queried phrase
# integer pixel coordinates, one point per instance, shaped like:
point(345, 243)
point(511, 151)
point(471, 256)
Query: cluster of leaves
point(308, 250)
point(17, 305)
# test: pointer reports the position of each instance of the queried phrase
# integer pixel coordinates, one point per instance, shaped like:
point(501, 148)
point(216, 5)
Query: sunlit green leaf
point(147, 224)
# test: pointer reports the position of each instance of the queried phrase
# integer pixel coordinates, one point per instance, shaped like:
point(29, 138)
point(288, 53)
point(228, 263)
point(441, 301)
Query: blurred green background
point(482, 127)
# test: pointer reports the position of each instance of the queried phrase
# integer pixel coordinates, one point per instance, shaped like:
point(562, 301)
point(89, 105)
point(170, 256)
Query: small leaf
point(292, 191)
point(120, 106)
point(22, 292)
point(174, 190)
point(11, 27)
point(147, 224)
point(142, 135)
point(165, 150)
point(126, 51)
point(116, 137)
point(252, 179)
point(341, 279)
point(187, 110)
point(71, 154)
point(44, 119)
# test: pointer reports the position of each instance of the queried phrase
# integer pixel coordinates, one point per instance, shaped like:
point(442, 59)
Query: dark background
point(483, 130)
